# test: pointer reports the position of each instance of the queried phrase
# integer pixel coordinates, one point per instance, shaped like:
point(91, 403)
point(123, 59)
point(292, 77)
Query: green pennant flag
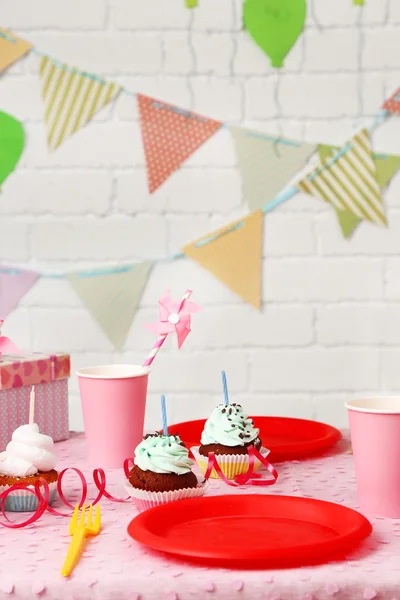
point(386, 166)
point(112, 297)
point(348, 222)
point(267, 164)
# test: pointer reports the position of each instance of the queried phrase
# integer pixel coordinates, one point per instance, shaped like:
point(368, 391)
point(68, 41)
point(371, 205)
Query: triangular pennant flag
point(112, 297)
point(348, 181)
point(234, 255)
point(348, 222)
point(11, 48)
point(267, 165)
point(14, 284)
point(71, 99)
point(170, 135)
point(393, 103)
point(386, 167)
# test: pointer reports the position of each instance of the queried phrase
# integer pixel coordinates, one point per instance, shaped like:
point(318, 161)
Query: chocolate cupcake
point(228, 434)
point(229, 431)
point(162, 472)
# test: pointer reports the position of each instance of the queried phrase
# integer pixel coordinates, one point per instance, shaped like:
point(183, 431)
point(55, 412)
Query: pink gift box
point(49, 374)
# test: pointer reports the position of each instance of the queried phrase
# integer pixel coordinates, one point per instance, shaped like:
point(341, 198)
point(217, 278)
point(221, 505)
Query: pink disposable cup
point(113, 404)
point(375, 438)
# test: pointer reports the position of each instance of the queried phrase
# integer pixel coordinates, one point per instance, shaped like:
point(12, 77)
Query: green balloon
point(275, 25)
point(12, 138)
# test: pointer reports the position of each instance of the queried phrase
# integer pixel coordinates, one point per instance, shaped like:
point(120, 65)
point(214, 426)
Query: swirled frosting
point(229, 426)
point(28, 453)
point(163, 454)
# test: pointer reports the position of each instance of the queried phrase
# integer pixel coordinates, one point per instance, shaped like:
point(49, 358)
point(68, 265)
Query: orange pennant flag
point(11, 48)
point(234, 255)
point(170, 135)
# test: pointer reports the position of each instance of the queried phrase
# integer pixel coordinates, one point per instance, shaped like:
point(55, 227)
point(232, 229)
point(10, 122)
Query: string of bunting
point(350, 178)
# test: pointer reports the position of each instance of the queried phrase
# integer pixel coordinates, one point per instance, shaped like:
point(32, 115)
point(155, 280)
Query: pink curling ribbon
point(250, 478)
point(41, 490)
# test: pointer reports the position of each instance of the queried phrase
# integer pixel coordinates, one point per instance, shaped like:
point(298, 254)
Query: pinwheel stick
point(162, 338)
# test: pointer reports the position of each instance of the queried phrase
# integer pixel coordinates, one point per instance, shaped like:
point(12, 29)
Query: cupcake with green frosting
point(162, 472)
point(228, 434)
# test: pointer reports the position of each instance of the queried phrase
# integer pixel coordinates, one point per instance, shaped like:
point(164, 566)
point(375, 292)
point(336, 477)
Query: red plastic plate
point(251, 531)
point(286, 438)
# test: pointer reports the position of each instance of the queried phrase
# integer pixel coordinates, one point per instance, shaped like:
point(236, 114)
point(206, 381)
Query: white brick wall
point(330, 325)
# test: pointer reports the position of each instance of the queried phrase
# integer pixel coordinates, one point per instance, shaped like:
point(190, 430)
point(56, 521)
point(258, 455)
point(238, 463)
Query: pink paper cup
point(113, 403)
point(375, 438)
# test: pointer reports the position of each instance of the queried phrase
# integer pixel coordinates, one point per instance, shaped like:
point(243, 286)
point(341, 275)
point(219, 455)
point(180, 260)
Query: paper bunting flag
point(348, 181)
point(14, 284)
point(12, 140)
point(234, 256)
point(71, 100)
point(386, 166)
point(170, 135)
point(267, 165)
point(112, 297)
point(348, 222)
point(11, 48)
point(393, 103)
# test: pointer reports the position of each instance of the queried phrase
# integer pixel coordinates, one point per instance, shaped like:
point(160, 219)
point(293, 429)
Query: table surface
point(115, 567)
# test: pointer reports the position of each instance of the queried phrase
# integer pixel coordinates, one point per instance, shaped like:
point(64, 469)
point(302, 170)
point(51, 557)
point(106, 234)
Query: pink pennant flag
point(14, 284)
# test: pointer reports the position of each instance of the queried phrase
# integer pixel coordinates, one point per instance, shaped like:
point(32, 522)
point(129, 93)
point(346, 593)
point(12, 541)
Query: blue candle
point(226, 397)
point(164, 415)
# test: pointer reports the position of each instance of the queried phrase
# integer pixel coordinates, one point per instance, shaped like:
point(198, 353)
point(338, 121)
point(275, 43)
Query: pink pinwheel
point(6, 345)
point(174, 317)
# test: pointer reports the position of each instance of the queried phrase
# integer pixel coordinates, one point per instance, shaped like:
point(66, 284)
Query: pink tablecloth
point(114, 567)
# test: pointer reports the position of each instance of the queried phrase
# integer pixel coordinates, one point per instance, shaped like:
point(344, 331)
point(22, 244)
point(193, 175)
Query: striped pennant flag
point(71, 99)
point(348, 181)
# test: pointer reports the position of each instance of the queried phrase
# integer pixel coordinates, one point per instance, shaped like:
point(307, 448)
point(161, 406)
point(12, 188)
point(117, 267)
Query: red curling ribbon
point(41, 486)
point(128, 463)
point(42, 503)
point(84, 487)
point(251, 477)
point(99, 478)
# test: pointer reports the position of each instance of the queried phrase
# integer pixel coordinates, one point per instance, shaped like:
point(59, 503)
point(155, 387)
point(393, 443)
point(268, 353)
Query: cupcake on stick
point(28, 458)
point(228, 433)
point(162, 470)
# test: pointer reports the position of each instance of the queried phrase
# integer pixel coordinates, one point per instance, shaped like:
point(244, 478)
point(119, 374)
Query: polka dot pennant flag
point(170, 135)
point(393, 103)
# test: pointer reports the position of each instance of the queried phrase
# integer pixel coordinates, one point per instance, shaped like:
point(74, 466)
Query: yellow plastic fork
point(79, 531)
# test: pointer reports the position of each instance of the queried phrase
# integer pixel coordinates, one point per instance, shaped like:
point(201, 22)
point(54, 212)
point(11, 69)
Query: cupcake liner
point(144, 500)
point(230, 464)
point(24, 501)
